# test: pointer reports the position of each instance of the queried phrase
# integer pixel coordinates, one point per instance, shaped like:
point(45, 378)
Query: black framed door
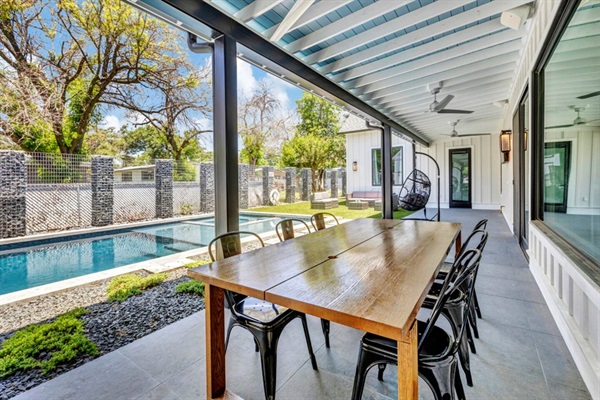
point(460, 178)
point(521, 172)
point(557, 162)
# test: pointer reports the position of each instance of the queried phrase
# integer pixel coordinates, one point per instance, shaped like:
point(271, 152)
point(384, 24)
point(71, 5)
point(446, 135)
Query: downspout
point(199, 47)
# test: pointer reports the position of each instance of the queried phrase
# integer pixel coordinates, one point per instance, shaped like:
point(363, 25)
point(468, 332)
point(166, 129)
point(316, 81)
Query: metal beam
point(386, 173)
point(208, 15)
point(226, 136)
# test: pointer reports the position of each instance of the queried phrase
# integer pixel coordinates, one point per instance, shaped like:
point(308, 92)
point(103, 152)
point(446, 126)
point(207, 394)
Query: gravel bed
point(109, 325)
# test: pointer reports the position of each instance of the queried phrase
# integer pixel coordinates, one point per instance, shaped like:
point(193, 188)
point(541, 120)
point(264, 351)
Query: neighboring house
point(363, 157)
point(139, 174)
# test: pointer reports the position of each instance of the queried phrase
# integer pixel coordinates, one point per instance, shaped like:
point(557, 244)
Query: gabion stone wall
point(342, 172)
point(102, 190)
point(334, 183)
point(243, 185)
point(163, 179)
point(13, 186)
point(207, 187)
point(290, 185)
point(268, 184)
point(306, 184)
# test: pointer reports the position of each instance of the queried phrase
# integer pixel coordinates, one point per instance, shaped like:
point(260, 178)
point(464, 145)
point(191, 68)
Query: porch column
point(386, 172)
point(102, 190)
point(290, 185)
point(225, 116)
point(306, 184)
point(163, 180)
point(13, 175)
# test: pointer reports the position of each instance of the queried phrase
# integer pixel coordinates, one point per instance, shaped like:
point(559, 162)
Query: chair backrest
point(318, 220)
point(459, 278)
point(229, 245)
point(287, 228)
point(481, 225)
point(472, 242)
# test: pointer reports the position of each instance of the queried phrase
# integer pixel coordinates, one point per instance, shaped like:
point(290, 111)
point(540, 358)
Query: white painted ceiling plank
point(454, 22)
point(393, 26)
point(297, 10)
point(256, 9)
point(585, 17)
point(419, 51)
point(315, 12)
point(381, 79)
point(344, 24)
point(453, 66)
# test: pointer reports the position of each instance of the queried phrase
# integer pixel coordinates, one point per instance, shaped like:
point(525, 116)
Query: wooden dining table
point(368, 274)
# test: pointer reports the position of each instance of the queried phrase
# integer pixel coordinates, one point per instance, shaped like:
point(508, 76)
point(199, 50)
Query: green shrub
point(62, 340)
point(191, 287)
point(196, 263)
point(124, 286)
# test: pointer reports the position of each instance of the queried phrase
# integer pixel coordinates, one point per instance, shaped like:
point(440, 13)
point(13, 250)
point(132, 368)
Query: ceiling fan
point(455, 134)
point(440, 107)
point(577, 121)
point(587, 96)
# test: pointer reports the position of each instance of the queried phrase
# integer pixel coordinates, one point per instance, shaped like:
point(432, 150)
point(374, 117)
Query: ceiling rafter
point(446, 25)
point(396, 25)
point(256, 9)
point(295, 13)
point(344, 24)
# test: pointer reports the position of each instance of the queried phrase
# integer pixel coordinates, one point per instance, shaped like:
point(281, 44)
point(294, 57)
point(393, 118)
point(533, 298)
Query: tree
point(60, 59)
point(261, 125)
point(316, 144)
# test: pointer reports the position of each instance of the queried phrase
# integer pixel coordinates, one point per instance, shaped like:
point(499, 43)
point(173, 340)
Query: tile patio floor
point(520, 353)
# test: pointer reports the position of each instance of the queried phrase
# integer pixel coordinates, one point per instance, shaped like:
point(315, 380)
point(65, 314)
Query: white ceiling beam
point(388, 28)
point(344, 24)
point(419, 51)
point(297, 10)
point(585, 17)
point(256, 9)
point(446, 69)
point(462, 55)
point(315, 12)
point(508, 66)
point(454, 22)
point(504, 78)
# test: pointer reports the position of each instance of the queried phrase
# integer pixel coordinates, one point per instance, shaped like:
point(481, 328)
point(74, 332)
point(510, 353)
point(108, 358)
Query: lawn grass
point(341, 211)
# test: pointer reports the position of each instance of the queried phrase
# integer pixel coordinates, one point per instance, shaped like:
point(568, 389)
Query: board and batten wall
point(358, 148)
point(572, 297)
point(485, 169)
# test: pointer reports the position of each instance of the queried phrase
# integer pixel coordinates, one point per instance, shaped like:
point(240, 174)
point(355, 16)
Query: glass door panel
point(460, 178)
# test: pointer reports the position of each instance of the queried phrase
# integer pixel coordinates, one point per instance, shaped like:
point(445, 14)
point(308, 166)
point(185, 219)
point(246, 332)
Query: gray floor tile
point(531, 292)
point(161, 392)
point(502, 310)
point(109, 377)
point(168, 351)
point(540, 319)
point(505, 271)
point(189, 384)
point(557, 363)
point(563, 392)
point(499, 287)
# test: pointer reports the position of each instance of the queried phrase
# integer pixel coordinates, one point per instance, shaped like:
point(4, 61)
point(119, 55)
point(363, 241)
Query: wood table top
point(255, 272)
point(400, 262)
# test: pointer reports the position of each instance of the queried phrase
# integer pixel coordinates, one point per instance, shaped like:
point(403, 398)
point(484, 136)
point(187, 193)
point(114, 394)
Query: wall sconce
point(354, 166)
point(505, 144)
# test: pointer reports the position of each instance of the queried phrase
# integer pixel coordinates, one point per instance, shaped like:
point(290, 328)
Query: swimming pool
point(38, 263)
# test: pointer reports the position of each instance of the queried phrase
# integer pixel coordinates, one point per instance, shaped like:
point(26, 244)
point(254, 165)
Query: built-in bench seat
point(322, 201)
point(369, 197)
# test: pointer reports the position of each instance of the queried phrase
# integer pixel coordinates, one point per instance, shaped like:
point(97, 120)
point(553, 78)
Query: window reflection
point(571, 173)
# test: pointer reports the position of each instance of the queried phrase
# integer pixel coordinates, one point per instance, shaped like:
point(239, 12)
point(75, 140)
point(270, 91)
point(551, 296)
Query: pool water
point(27, 267)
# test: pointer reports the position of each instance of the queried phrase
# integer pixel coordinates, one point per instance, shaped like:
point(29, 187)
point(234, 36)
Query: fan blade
point(589, 123)
point(443, 103)
point(559, 126)
point(475, 134)
point(587, 96)
point(448, 111)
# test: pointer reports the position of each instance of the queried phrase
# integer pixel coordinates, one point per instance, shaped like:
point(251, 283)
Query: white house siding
point(572, 297)
point(358, 148)
point(485, 169)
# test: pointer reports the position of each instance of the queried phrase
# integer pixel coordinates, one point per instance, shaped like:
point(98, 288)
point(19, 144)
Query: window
point(147, 176)
point(126, 176)
point(567, 146)
point(397, 164)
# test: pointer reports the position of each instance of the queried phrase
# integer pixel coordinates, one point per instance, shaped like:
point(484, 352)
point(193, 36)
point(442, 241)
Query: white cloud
point(111, 121)
point(246, 80)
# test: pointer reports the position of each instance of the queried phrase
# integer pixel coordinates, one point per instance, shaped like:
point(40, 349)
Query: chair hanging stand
point(413, 199)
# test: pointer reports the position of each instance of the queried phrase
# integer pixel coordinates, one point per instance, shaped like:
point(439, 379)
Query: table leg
point(458, 243)
point(408, 365)
point(215, 341)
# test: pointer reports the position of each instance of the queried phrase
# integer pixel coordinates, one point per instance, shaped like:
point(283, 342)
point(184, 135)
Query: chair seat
point(437, 345)
point(260, 310)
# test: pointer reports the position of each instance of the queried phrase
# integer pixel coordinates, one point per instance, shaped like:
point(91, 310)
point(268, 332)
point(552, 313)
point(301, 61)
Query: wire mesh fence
point(134, 192)
point(186, 188)
point(58, 194)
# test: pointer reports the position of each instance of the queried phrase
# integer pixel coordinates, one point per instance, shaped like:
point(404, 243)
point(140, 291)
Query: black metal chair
point(437, 348)
point(454, 307)
point(287, 228)
point(264, 320)
point(318, 220)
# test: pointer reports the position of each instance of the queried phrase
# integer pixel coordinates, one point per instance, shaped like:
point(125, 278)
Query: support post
point(290, 185)
point(13, 175)
point(225, 116)
point(334, 184)
point(306, 184)
point(342, 172)
point(163, 181)
point(386, 173)
point(102, 190)
point(207, 187)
